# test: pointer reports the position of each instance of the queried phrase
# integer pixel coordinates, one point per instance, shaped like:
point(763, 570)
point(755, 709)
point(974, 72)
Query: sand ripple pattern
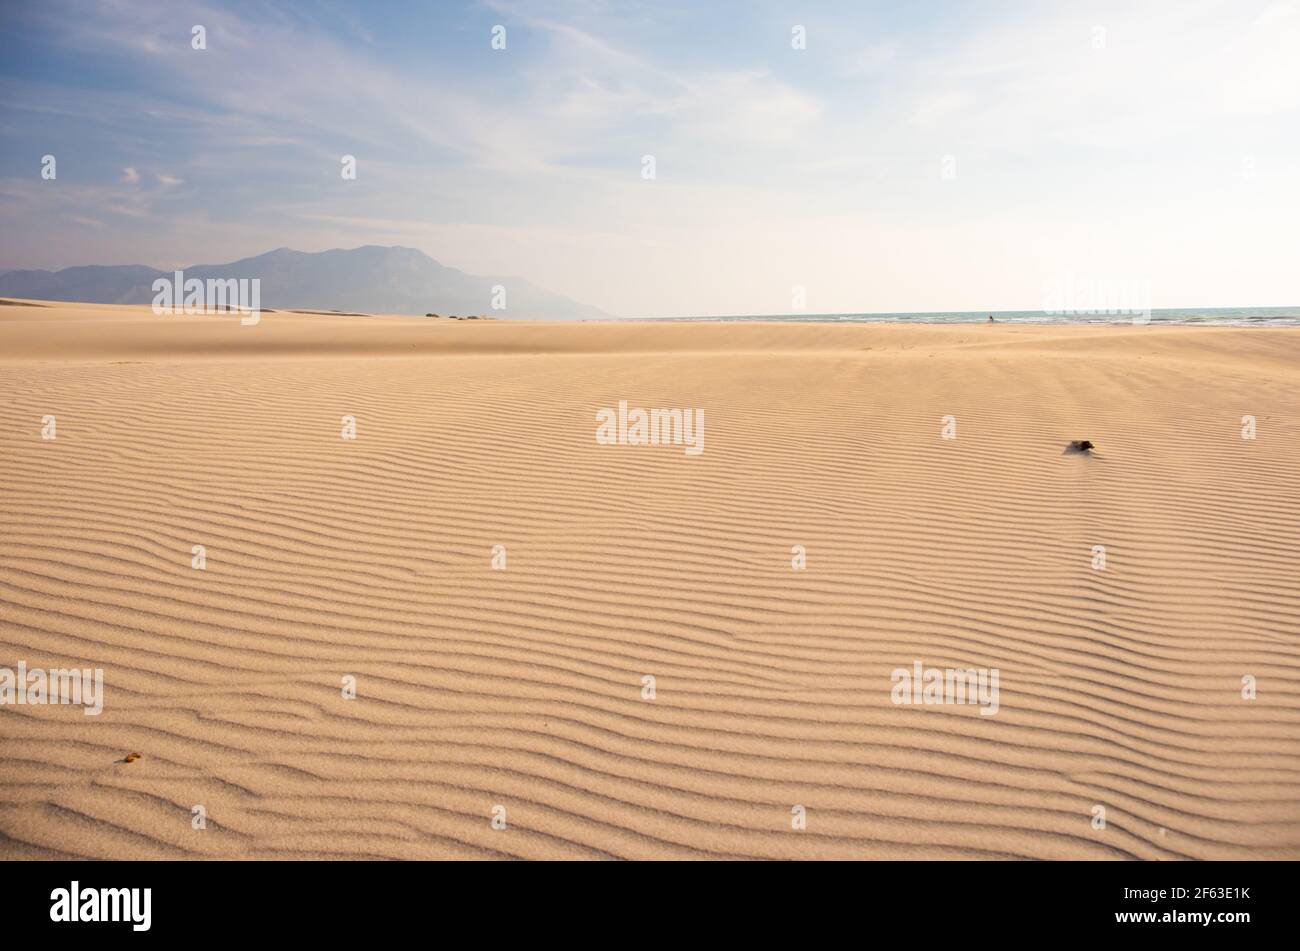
point(522, 688)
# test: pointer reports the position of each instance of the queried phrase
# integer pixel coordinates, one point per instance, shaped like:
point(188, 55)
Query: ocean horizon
point(1203, 316)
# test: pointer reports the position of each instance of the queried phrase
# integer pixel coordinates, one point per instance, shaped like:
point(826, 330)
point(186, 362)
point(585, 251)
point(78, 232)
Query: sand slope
point(522, 688)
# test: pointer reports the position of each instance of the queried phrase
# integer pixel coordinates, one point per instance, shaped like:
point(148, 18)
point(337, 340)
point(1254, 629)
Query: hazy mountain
point(95, 285)
point(370, 279)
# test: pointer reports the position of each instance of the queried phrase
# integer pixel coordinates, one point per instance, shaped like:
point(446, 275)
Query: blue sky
point(1152, 142)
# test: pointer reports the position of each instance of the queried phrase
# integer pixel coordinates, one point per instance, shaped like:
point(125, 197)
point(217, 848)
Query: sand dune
point(522, 687)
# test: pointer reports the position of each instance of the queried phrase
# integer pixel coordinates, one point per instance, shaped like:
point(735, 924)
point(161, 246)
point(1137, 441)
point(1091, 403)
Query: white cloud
point(770, 172)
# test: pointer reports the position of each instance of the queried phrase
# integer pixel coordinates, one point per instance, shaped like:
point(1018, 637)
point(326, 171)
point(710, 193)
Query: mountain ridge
point(370, 279)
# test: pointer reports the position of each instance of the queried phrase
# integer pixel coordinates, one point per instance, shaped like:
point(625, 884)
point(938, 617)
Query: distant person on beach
point(991, 320)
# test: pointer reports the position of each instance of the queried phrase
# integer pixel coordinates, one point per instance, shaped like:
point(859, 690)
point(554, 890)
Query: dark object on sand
point(1079, 445)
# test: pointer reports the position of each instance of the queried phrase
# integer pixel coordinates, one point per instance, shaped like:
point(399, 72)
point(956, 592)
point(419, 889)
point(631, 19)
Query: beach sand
point(478, 688)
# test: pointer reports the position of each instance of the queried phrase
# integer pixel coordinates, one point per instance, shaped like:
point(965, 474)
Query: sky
point(918, 156)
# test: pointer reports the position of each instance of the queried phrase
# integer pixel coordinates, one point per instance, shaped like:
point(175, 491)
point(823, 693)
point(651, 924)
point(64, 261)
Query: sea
point(1201, 316)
